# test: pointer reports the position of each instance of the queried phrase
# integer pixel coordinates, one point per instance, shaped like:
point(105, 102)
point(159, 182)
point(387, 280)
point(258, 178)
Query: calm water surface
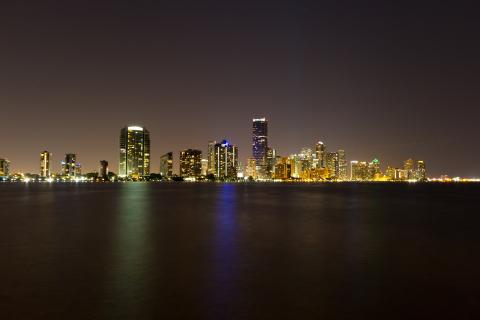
point(239, 251)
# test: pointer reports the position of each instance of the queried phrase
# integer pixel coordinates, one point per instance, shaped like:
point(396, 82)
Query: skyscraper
point(204, 167)
point(409, 169)
point(342, 165)
point(45, 160)
point(226, 161)
point(332, 164)
point(321, 153)
point(260, 141)
point(103, 170)
point(421, 172)
point(4, 168)
point(211, 157)
point(190, 163)
point(358, 170)
point(69, 165)
point(166, 165)
point(134, 153)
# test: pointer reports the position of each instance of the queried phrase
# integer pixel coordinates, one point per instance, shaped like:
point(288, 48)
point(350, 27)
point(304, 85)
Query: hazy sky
point(380, 80)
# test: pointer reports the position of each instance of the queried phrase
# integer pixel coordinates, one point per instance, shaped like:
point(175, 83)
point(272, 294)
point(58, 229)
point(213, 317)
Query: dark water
point(226, 251)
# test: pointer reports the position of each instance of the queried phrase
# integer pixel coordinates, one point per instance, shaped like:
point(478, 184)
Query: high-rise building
point(69, 165)
point(166, 165)
point(211, 157)
point(103, 170)
point(270, 162)
point(226, 161)
point(374, 169)
point(260, 141)
point(408, 166)
point(332, 164)
point(321, 154)
point(251, 170)
point(4, 168)
point(358, 171)
point(283, 169)
point(342, 165)
point(190, 163)
point(204, 167)
point(45, 161)
point(134, 153)
point(421, 172)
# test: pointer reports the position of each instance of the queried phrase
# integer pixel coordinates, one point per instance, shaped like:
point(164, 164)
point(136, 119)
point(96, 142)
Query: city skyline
point(379, 80)
point(334, 160)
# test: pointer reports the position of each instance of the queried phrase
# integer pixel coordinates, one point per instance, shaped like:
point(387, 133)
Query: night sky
point(380, 80)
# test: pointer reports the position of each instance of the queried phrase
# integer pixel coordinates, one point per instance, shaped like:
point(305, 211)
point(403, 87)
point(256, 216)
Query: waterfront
point(239, 251)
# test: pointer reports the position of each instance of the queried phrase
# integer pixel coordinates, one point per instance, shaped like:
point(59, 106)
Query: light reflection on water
point(225, 250)
point(131, 248)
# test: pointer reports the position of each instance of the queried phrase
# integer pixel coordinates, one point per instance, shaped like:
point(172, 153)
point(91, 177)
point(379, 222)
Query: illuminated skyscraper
point(204, 167)
point(421, 172)
point(166, 165)
point(190, 163)
point(251, 170)
point(409, 169)
point(342, 165)
point(211, 157)
point(226, 161)
point(134, 153)
point(332, 164)
point(4, 168)
point(358, 171)
point(69, 165)
point(260, 141)
point(321, 153)
point(45, 160)
point(374, 169)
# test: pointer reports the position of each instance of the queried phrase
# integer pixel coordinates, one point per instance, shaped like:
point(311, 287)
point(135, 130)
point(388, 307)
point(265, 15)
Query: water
point(239, 251)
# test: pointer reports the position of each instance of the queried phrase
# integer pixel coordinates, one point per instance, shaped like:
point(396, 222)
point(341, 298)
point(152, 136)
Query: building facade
point(226, 161)
point(45, 164)
point(69, 165)
point(103, 170)
point(321, 154)
point(134, 153)
point(166, 165)
point(332, 164)
point(4, 168)
point(342, 165)
point(260, 141)
point(191, 163)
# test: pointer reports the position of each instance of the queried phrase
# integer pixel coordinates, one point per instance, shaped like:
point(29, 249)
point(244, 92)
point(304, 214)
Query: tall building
point(342, 165)
point(204, 167)
point(190, 163)
point(283, 169)
point(408, 166)
point(103, 170)
point(4, 168)
point(166, 165)
point(421, 172)
point(270, 162)
point(332, 164)
point(211, 157)
point(358, 171)
point(321, 153)
point(134, 153)
point(226, 161)
point(260, 141)
point(69, 165)
point(45, 161)
point(251, 170)
point(374, 169)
